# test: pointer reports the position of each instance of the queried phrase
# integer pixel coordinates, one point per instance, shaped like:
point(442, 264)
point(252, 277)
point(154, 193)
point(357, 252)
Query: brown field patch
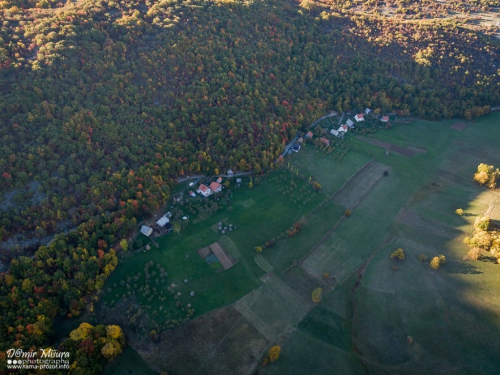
point(220, 342)
point(389, 146)
point(204, 252)
point(413, 219)
point(221, 255)
point(458, 126)
point(360, 184)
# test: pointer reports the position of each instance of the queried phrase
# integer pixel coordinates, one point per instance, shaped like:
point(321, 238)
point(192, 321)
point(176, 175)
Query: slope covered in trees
point(103, 104)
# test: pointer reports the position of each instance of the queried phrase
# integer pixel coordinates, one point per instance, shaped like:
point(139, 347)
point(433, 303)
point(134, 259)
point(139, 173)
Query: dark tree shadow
point(464, 268)
point(488, 259)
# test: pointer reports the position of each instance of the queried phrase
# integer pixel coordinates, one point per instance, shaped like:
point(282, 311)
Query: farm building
point(215, 187)
point(350, 123)
point(204, 190)
point(359, 117)
point(334, 132)
point(146, 230)
point(162, 221)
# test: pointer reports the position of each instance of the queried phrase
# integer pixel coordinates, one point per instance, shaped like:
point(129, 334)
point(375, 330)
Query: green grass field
point(452, 313)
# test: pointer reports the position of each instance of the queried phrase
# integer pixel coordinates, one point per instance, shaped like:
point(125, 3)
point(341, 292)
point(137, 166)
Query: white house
point(204, 190)
point(367, 110)
point(163, 220)
point(359, 117)
point(349, 123)
point(146, 230)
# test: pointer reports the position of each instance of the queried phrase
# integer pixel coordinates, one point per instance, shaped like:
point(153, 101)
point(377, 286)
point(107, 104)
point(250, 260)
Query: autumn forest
point(104, 104)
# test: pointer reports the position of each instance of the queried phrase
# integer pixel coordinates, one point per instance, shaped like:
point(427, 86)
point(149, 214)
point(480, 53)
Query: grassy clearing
point(273, 308)
point(452, 313)
point(331, 174)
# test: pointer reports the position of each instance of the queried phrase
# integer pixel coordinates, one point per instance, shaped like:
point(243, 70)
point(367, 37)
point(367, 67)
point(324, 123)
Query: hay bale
point(191, 294)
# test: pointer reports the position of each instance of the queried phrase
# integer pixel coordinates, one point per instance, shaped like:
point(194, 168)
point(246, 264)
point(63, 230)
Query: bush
point(398, 254)
point(316, 295)
point(459, 211)
point(436, 262)
point(347, 213)
point(423, 258)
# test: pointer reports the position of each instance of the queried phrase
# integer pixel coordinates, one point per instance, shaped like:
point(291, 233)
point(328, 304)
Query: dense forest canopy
point(103, 104)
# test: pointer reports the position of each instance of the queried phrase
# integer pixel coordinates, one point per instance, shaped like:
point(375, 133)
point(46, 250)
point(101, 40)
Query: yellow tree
point(274, 353)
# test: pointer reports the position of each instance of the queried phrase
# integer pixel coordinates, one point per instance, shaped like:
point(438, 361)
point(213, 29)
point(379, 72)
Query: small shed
point(350, 123)
point(368, 111)
point(385, 119)
point(230, 172)
point(146, 230)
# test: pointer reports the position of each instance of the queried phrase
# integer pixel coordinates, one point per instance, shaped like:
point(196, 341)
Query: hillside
point(104, 104)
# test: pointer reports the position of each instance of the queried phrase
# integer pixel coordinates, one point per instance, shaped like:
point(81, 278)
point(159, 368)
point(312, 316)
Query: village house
point(309, 134)
point(325, 141)
point(204, 190)
point(301, 140)
point(215, 187)
point(219, 180)
point(192, 193)
point(146, 230)
point(350, 123)
point(162, 221)
point(359, 117)
point(385, 119)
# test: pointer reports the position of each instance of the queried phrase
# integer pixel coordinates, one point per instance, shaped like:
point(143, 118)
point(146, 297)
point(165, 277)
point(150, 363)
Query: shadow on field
point(464, 268)
point(489, 259)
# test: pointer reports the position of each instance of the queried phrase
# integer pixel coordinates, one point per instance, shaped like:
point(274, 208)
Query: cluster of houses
point(163, 225)
point(206, 191)
point(340, 132)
